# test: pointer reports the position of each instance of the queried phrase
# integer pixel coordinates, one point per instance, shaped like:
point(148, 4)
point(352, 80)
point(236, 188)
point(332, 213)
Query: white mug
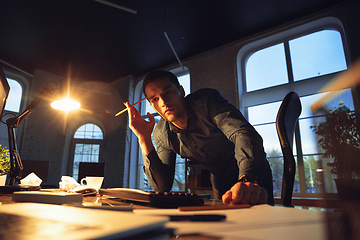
point(94, 182)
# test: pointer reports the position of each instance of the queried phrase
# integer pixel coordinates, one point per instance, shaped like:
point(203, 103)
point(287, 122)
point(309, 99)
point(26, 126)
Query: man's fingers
point(245, 192)
point(246, 189)
point(227, 197)
point(132, 112)
point(255, 194)
point(151, 117)
point(237, 193)
point(128, 106)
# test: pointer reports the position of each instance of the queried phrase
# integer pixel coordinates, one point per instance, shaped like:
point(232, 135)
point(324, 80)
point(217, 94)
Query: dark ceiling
point(95, 41)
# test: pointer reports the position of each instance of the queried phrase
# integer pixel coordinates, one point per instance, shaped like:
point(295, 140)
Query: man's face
point(166, 99)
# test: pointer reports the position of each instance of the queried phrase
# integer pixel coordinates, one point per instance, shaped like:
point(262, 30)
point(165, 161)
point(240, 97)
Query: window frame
point(74, 141)
point(276, 93)
point(24, 83)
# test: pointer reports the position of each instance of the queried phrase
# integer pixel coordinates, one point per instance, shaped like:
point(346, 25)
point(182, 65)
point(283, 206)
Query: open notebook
point(45, 221)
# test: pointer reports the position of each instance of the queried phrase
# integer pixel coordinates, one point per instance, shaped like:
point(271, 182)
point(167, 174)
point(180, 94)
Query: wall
point(47, 133)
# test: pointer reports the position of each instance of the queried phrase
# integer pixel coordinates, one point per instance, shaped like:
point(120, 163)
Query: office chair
point(286, 120)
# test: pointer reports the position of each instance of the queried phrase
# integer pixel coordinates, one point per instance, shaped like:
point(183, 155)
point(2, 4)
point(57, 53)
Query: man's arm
point(249, 151)
point(159, 166)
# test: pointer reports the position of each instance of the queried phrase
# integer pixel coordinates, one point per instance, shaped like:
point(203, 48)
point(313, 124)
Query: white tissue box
point(47, 197)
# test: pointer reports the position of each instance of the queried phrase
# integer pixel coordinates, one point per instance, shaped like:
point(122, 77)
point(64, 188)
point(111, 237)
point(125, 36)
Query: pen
point(198, 217)
point(216, 207)
point(131, 105)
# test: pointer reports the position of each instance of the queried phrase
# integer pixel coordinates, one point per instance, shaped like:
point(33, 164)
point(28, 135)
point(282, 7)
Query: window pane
point(179, 177)
point(317, 54)
point(263, 118)
point(276, 164)
point(270, 138)
point(184, 81)
point(266, 68)
point(148, 108)
point(314, 180)
point(84, 153)
point(308, 137)
point(265, 113)
point(277, 168)
point(88, 131)
point(15, 95)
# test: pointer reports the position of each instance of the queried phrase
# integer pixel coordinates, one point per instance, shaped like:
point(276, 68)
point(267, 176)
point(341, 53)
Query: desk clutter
point(151, 199)
point(70, 191)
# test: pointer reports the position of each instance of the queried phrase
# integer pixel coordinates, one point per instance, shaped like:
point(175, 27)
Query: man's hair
point(160, 74)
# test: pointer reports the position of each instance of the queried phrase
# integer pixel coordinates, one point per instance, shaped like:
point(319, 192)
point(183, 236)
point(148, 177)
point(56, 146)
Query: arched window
point(15, 96)
point(301, 59)
point(18, 91)
point(87, 142)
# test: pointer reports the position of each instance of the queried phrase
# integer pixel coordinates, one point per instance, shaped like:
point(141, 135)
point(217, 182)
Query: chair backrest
point(286, 120)
point(93, 169)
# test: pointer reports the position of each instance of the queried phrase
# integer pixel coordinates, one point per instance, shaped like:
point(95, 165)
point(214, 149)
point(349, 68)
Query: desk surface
point(256, 222)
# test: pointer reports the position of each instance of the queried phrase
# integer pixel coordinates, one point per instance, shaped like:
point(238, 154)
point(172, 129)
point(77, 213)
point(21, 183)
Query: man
point(207, 129)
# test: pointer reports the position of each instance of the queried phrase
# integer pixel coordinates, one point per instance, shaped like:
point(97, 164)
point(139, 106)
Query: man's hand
point(245, 192)
point(141, 128)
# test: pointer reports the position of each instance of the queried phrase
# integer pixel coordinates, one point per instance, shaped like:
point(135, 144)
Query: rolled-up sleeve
point(249, 151)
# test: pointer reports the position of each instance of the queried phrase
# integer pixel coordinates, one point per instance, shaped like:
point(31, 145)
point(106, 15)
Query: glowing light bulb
point(65, 104)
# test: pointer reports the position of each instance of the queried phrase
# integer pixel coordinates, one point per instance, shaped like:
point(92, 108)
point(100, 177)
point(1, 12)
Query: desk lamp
point(16, 166)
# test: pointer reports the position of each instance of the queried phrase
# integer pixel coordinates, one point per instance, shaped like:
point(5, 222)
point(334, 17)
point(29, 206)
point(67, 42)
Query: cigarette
point(127, 108)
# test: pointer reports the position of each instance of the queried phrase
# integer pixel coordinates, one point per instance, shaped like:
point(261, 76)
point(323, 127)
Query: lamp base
point(11, 189)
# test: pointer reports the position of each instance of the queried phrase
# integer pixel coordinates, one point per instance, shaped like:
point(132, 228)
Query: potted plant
point(339, 136)
point(4, 164)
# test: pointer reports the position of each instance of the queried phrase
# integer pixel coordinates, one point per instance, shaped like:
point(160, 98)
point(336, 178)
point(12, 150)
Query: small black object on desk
point(198, 217)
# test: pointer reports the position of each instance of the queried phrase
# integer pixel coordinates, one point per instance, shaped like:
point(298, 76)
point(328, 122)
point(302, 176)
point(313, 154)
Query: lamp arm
point(16, 166)
point(15, 122)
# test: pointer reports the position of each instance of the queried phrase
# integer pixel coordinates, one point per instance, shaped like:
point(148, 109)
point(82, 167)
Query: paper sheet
point(257, 222)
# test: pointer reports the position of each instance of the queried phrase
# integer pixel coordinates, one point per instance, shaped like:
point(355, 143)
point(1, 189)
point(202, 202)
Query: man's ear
point(182, 91)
